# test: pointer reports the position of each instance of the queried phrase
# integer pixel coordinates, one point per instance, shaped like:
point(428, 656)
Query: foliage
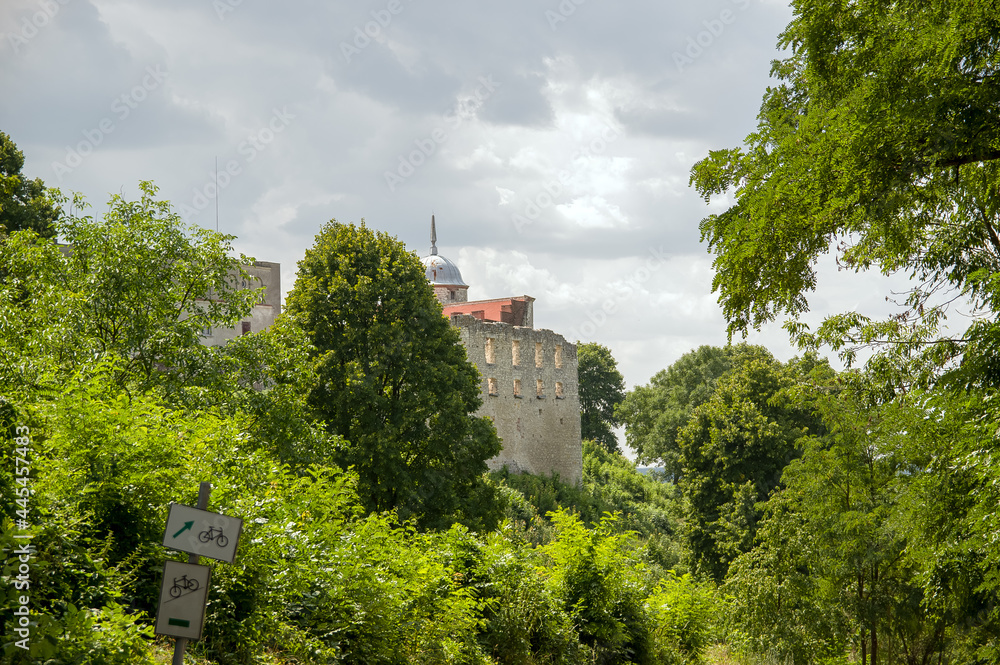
point(655, 413)
point(597, 576)
point(602, 388)
point(524, 620)
point(683, 619)
point(24, 204)
point(734, 449)
point(74, 598)
point(881, 142)
point(611, 484)
point(393, 379)
point(868, 544)
point(137, 287)
point(264, 380)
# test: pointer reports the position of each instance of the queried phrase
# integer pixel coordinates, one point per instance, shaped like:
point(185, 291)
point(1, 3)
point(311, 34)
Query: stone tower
point(528, 377)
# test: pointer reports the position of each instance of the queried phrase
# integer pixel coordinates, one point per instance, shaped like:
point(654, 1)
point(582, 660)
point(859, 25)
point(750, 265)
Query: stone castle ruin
point(529, 377)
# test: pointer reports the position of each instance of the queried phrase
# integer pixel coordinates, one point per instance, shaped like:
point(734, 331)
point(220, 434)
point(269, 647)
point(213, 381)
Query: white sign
point(181, 612)
point(203, 533)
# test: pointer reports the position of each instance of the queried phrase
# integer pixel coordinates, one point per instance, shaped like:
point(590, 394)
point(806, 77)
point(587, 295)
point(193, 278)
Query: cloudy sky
point(552, 139)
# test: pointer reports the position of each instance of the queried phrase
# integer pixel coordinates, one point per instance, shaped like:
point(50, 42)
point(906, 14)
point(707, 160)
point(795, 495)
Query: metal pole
point(180, 646)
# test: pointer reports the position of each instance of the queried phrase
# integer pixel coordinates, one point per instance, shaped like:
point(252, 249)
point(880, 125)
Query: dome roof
point(441, 271)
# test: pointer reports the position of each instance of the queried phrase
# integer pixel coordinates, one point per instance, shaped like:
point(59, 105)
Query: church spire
point(434, 238)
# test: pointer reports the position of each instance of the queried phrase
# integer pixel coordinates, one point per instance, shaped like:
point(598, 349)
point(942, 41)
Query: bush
point(681, 613)
point(598, 576)
point(524, 621)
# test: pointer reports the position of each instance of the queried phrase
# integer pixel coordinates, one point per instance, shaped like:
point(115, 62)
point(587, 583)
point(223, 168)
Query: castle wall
point(540, 428)
point(262, 273)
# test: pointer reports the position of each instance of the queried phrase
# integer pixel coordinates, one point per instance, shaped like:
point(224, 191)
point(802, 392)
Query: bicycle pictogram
point(212, 533)
point(182, 584)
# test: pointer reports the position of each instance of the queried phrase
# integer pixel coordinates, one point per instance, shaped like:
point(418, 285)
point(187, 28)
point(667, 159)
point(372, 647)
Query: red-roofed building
point(517, 311)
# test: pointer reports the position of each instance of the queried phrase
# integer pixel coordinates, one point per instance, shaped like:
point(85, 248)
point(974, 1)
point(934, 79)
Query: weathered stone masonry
point(262, 273)
point(529, 377)
point(530, 392)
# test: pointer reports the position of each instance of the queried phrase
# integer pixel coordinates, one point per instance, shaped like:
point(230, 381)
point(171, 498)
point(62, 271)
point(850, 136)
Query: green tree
point(868, 542)
point(734, 449)
point(881, 142)
point(393, 378)
point(946, 510)
point(136, 287)
point(24, 204)
point(602, 388)
point(653, 414)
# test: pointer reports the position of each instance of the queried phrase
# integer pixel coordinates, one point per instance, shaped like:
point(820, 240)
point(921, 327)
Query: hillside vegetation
point(112, 409)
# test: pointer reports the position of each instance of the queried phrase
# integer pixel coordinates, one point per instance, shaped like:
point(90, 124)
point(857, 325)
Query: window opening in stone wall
point(493, 387)
point(559, 356)
point(538, 354)
point(491, 356)
point(515, 353)
point(559, 390)
point(517, 387)
point(538, 389)
point(245, 327)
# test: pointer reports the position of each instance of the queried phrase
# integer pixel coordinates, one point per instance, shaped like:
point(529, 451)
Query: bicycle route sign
point(203, 533)
point(181, 612)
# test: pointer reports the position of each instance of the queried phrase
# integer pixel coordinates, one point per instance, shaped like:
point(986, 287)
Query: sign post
point(181, 611)
point(184, 592)
point(180, 646)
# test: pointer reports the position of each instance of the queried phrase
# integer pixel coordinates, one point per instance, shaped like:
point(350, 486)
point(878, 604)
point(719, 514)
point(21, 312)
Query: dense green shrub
point(597, 574)
point(645, 504)
point(524, 620)
point(74, 599)
point(682, 614)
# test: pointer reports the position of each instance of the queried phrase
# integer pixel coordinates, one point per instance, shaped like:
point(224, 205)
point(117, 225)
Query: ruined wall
point(262, 273)
point(540, 427)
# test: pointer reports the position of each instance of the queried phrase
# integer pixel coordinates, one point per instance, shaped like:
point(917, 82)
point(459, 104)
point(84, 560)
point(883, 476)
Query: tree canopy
point(602, 388)
point(881, 143)
point(24, 203)
point(135, 288)
point(393, 378)
point(653, 414)
point(734, 448)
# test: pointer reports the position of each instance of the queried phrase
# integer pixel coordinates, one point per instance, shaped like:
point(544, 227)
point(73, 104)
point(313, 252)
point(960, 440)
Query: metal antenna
point(216, 193)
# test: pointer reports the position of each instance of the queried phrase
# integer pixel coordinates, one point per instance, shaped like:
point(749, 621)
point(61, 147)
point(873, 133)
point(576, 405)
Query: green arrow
point(187, 525)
